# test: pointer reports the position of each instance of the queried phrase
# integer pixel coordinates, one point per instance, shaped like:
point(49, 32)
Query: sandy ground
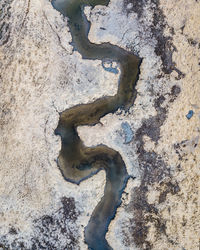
point(40, 76)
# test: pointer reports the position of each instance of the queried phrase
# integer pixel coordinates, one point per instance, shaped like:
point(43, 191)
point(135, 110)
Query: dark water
point(76, 161)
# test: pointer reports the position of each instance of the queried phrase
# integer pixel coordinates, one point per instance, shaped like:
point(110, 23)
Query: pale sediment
point(35, 60)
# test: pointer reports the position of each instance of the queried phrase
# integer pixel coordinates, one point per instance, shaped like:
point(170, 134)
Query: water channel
point(76, 161)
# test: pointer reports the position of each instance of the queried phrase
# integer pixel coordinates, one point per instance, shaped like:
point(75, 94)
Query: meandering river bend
point(76, 161)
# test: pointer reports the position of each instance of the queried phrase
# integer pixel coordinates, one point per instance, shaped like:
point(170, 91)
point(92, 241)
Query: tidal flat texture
point(43, 76)
point(77, 162)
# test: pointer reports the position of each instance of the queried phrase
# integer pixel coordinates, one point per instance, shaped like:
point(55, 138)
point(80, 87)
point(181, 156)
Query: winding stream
point(76, 161)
